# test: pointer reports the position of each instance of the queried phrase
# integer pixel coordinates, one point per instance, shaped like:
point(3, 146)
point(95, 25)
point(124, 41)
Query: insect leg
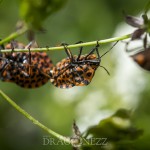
point(68, 52)
point(80, 51)
point(92, 51)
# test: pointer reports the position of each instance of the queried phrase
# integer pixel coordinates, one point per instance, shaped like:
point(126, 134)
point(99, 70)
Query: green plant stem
point(36, 122)
point(14, 35)
point(71, 46)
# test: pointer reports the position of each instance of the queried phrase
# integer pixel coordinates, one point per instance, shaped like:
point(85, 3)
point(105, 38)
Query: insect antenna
point(105, 54)
point(105, 69)
point(109, 49)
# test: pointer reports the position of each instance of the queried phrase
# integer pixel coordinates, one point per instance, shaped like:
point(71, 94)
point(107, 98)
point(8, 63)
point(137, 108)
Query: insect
point(27, 69)
point(142, 59)
point(76, 70)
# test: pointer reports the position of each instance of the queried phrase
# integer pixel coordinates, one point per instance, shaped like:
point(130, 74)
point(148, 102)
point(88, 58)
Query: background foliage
point(127, 87)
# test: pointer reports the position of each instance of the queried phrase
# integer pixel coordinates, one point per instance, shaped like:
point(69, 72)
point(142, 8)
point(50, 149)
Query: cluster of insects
point(34, 69)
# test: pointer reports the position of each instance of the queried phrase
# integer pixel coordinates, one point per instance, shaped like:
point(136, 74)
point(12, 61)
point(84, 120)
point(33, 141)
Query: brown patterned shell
point(67, 74)
point(142, 59)
point(20, 71)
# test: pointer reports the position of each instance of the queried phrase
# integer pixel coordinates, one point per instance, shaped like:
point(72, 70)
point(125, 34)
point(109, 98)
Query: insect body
point(75, 70)
point(67, 74)
point(28, 70)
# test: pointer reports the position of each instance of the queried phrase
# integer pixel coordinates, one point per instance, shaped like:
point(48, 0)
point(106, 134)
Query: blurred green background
point(127, 86)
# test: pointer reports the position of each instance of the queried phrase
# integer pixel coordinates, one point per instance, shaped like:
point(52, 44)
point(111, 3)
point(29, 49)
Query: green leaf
point(116, 129)
point(34, 12)
point(147, 7)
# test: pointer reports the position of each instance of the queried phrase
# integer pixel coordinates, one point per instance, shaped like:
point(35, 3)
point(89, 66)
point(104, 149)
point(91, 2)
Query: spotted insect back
point(28, 70)
point(37, 71)
point(69, 73)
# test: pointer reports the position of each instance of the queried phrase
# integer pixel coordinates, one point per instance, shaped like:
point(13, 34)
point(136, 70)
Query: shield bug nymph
point(76, 70)
point(26, 69)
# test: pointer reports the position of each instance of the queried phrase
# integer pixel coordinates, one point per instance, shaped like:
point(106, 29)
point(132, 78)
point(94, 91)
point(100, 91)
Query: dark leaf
point(137, 34)
point(145, 42)
point(134, 21)
point(115, 128)
point(116, 131)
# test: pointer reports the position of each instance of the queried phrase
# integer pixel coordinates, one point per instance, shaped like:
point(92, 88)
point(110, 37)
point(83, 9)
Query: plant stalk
point(14, 35)
point(36, 122)
point(120, 38)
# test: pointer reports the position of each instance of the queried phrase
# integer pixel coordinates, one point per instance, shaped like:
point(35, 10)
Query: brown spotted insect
point(142, 58)
point(76, 70)
point(27, 69)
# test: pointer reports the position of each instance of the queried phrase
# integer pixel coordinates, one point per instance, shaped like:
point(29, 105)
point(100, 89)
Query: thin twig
point(36, 122)
point(127, 36)
point(14, 35)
